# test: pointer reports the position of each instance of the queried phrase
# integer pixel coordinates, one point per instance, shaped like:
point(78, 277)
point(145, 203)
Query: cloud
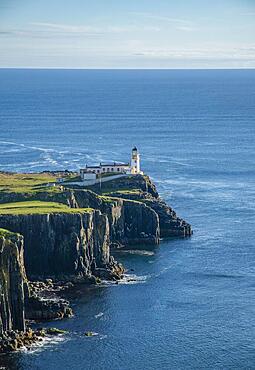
point(91, 29)
point(185, 28)
point(45, 30)
point(246, 53)
point(66, 28)
point(179, 23)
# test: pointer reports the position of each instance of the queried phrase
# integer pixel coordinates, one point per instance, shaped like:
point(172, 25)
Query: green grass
point(72, 178)
point(6, 233)
point(27, 183)
point(123, 191)
point(37, 207)
point(106, 198)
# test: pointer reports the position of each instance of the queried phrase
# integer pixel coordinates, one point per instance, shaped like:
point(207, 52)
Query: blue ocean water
point(193, 304)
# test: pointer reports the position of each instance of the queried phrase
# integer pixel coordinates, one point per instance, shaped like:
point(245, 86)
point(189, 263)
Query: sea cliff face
point(12, 282)
point(130, 222)
point(61, 245)
point(143, 191)
point(128, 212)
point(124, 204)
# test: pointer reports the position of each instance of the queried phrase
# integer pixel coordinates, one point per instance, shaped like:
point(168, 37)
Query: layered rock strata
point(12, 282)
point(62, 246)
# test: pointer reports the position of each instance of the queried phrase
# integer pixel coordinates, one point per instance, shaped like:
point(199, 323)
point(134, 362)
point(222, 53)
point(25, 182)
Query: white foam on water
point(103, 336)
point(133, 279)
point(100, 314)
point(128, 279)
point(46, 342)
point(138, 252)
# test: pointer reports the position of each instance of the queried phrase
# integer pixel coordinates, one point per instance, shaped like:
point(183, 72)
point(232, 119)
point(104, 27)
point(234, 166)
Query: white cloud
point(179, 23)
point(91, 29)
point(240, 53)
point(65, 28)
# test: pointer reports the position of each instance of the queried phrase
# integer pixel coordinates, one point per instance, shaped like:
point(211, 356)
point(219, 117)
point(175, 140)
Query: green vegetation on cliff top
point(122, 191)
point(37, 207)
point(6, 233)
point(27, 183)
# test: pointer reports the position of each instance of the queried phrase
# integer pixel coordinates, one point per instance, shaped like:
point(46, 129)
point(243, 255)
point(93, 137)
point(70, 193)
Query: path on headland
point(93, 182)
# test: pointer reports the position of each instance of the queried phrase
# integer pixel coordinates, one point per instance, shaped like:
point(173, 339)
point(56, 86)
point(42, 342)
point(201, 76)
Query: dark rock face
point(130, 222)
point(141, 224)
point(12, 283)
point(62, 245)
point(16, 300)
point(170, 224)
point(123, 222)
point(43, 302)
point(40, 309)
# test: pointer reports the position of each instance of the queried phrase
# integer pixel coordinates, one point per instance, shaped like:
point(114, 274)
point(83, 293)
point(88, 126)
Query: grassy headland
point(26, 183)
point(38, 207)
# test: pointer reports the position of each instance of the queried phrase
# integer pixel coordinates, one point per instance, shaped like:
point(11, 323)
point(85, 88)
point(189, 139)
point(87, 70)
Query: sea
point(187, 303)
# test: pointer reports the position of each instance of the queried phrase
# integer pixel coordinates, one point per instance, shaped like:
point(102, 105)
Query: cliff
point(141, 189)
point(170, 225)
point(62, 245)
point(124, 200)
point(65, 233)
point(130, 222)
point(124, 211)
point(12, 282)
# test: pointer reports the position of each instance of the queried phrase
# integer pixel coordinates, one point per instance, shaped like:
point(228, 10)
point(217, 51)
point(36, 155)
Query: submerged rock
point(55, 331)
point(90, 334)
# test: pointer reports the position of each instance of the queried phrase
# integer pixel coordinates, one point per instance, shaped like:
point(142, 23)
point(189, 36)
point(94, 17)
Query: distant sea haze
point(192, 304)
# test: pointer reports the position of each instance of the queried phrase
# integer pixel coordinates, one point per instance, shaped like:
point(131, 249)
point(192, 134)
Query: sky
point(127, 33)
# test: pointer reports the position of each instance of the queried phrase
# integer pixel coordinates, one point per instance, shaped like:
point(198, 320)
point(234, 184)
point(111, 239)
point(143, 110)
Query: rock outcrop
point(130, 222)
point(62, 245)
point(170, 225)
point(17, 302)
point(12, 282)
point(141, 191)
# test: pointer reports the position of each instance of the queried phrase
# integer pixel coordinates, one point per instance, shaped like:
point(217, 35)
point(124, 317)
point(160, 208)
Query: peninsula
point(58, 229)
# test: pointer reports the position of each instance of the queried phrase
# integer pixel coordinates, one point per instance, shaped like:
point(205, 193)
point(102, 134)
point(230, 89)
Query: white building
point(135, 161)
point(90, 172)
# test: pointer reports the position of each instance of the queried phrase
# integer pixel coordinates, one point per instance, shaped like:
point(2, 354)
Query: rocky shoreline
point(14, 340)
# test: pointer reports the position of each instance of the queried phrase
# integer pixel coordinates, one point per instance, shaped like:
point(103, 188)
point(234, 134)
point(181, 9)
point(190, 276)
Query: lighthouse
point(135, 161)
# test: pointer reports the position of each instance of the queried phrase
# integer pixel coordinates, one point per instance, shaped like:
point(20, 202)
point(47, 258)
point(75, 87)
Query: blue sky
point(127, 33)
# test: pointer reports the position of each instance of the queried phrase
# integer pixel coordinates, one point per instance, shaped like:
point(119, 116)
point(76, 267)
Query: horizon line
point(129, 68)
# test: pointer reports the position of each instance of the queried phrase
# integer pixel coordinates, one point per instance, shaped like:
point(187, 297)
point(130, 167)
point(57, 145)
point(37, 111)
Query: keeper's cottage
point(115, 168)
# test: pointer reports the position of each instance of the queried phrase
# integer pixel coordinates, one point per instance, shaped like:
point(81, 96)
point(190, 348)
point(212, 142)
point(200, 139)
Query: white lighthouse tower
point(135, 161)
